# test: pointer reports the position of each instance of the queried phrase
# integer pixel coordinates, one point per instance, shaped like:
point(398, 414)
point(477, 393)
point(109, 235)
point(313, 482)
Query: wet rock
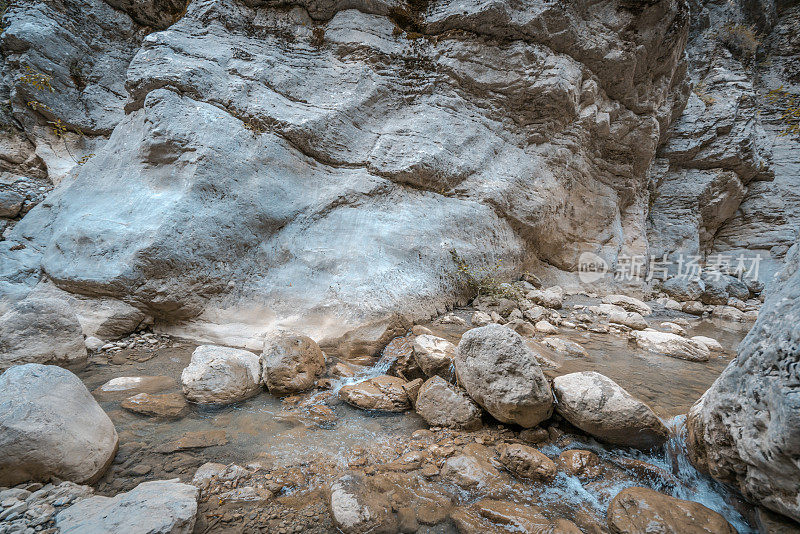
point(166, 405)
point(41, 330)
point(156, 507)
point(500, 372)
point(638, 510)
point(473, 470)
point(527, 462)
point(383, 393)
point(600, 407)
point(435, 356)
point(629, 304)
point(546, 328)
point(498, 517)
point(684, 288)
point(743, 430)
point(582, 464)
point(534, 435)
point(565, 347)
point(728, 313)
point(412, 389)
point(290, 363)
point(442, 404)
point(221, 375)
point(124, 386)
point(671, 345)
point(712, 344)
point(630, 319)
point(51, 426)
point(356, 508)
point(197, 440)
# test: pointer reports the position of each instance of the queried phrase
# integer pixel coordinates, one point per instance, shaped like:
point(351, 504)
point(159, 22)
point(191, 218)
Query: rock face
point(637, 510)
point(281, 101)
point(51, 426)
point(382, 393)
point(290, 363)
point(599, 406)
point(500, 372)
point(442, 404)
point(38, 330)
point(744, 429)
point(156, 507)
point(221, 375)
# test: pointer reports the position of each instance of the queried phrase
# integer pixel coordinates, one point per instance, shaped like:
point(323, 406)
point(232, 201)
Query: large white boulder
point(41, 330)
point(290, 363)
point(435, 356)
point(500, 372)
point(221, 375)
point(601, 407)
point(51, 426)
point(155, 507)
point(672, 345)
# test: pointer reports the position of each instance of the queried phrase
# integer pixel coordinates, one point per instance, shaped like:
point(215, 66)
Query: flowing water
point(289, 433)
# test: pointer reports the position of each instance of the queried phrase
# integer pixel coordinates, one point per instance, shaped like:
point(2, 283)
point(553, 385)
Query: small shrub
point(788, 106)
point(741, 40)
point(36, 79)
point(481, 281)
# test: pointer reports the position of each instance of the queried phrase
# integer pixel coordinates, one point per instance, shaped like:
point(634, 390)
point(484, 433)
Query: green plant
point(741, 40)
point(482, 281)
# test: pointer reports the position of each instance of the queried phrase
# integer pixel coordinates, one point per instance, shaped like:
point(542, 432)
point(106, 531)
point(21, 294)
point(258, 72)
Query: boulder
point(221, 375)
point(126, 386)
point(716, 291)
point(526, 462)
point(108, 318)
point(551, 297)
point(693, 307)
point(671, 344)
point(382, 393)
point(546, 328)
point(41, 330)
point(51, 426)
point(565, 347)
point(639, 510)
point(580, 463)
point(631, 319)
point(435, 356)
point(683, 288)
point(744, 430)
point(442, 404)
point(673, 328)
point(290, 363)
point(155, 507)
point(712, 344)
point(480, 318)
point(166, 405)
point(600, 407)
point(357, 508)
point(492, 516)
point(628, 303)
point(500, 372)
point(474, 470)
point(728, 313)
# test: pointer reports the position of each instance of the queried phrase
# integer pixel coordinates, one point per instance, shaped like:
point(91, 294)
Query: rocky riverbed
point(315, 461)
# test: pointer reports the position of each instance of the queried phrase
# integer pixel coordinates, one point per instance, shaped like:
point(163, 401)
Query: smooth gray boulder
point(51, 426)
point(290, 363)
point(500, 372)
point(442, 404)
point(41, 330)
point(221, 375)
point(601, 407)
point(155, 507)
point(745, 430)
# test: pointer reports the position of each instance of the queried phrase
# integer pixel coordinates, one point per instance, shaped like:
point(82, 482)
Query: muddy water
point(286, 433)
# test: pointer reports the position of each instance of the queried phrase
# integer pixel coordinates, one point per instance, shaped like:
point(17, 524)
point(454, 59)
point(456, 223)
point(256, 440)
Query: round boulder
point(435, 356)
point(527, 462)
point(290, 363)
point(51, 426)
point(442, 404)
point(221, 375)
point(600, 407)
point(684, 288)
point(500, 372)
point(383, 393)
